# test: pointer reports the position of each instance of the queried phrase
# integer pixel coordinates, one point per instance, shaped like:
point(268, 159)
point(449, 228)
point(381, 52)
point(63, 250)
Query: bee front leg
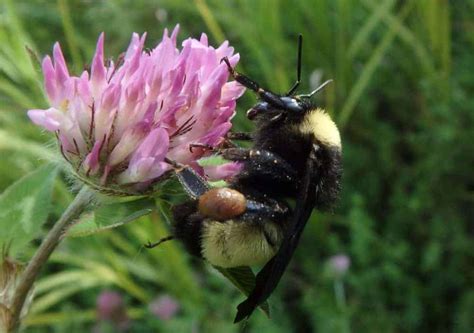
point(261, 164)
point(225, 144)
point(202, 146)
point(239, 136)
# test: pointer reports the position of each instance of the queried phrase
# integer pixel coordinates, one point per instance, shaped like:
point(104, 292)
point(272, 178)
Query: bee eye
point(263, 106)
point(251, 113)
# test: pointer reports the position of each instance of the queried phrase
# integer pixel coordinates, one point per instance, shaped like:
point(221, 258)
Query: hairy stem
point(52, 239)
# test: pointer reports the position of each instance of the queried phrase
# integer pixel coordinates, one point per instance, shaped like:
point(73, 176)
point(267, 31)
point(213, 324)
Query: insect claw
point(148, 245)
point(174, 164)
point(229, 67)
point(200, 145)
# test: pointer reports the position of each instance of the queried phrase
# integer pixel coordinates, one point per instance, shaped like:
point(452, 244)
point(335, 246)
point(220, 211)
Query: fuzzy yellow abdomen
point(238, 243)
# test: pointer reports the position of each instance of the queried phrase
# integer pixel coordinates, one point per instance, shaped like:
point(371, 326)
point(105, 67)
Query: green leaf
point(213, 160)
point(110, 216)
point(244, 279)
point(219, 183)
point(24, 207)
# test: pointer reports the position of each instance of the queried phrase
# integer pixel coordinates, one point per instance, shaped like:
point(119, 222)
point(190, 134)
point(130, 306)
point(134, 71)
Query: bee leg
point(262, 165)
point(239, 136)
point(237, 154)
point(205, 147)
point(151, 245)
point(226, 143)
point(193, 184)
point(186, 227)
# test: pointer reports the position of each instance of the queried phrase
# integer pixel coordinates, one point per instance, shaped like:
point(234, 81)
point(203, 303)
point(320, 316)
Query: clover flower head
point(339, 264)
point(164, 307)
point(116, 122)
point(110, 306)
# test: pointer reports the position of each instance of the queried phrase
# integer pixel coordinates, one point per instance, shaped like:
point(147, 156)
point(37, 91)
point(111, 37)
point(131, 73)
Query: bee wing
point(243, 278)
point(267, 279)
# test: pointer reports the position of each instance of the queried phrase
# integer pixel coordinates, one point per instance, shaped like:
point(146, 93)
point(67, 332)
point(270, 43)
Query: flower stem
point(341, 303)
point(340, 293)
point(52, 239)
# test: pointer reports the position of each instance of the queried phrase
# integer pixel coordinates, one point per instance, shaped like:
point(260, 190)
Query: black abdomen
point(187, 225)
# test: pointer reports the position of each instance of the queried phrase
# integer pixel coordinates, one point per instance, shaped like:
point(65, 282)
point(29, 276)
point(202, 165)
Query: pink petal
point(128, 143)
point(215, 135)
point(225, 115)
point(91, 163)
point(83, 88)
point(98, 71)
point(174, 34)
point(224, 50)
point(147, 162)
point(62, 74)
point(155, 145)
point(143, 170)
point(132, 47)
point(224, 171)
point(80, 114)
point(232, 91)
point(49, 119)
point(50, 79)
point(212, 93)
point(203, 40)
point(111, 96)
point(133, 59)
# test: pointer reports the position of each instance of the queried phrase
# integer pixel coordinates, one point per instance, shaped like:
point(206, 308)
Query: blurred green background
point(403, 97)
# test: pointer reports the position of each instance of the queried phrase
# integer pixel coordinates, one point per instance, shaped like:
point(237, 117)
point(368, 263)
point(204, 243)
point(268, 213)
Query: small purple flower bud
point(116, 123)
point(164, 307)
point(339, 264)
point(111, 307)
point(109, 303)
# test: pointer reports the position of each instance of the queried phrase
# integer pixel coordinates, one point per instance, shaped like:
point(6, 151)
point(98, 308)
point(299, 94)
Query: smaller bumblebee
point(296, 154)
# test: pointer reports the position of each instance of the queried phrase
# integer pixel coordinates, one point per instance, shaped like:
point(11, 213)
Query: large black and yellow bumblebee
point(296, 154)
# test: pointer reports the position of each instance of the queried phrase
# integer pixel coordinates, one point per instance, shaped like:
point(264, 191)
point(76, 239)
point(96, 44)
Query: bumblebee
point(296, 154)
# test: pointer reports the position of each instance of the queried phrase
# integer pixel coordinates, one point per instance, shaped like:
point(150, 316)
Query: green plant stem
point(371, 65)
point(52, 239)
point(341, 303)
point(340, 293)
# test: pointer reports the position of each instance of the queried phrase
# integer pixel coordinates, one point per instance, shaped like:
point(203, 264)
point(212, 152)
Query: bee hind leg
point(193, 184)
point(151, 245)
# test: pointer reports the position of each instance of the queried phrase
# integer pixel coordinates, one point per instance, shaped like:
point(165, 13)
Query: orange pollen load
point(222, 203)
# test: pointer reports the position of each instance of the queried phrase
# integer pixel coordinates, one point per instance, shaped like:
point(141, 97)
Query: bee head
point(274, 106)
point(287, 106)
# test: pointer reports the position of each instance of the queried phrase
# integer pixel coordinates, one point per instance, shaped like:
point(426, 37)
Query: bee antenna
point(318, 89)
point(298, 67)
